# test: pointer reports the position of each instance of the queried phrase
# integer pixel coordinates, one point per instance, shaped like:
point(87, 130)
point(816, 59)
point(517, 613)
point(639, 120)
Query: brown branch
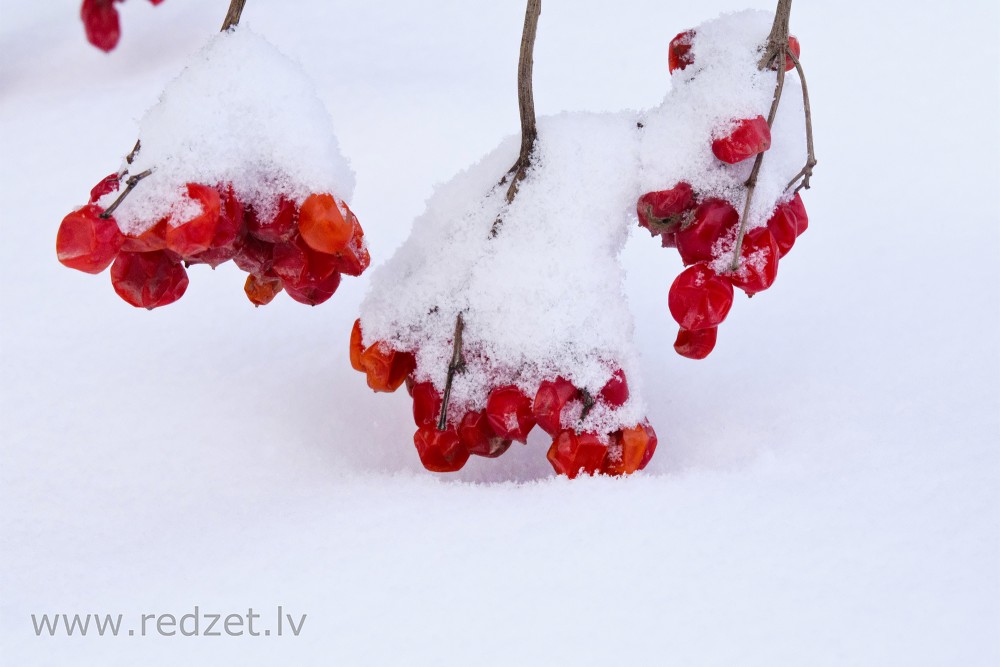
point(130, 185)
point(776, 48)
point(806, 172)
point(135, 151)
point(233, 15)
point(455, 366)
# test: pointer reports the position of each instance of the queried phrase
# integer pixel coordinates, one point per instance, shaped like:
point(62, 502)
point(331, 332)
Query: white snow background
point(825, 491)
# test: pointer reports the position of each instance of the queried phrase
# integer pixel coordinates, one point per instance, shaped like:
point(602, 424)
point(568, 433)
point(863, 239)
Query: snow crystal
point(240, 113)
point(544, 296)
point(724, 85)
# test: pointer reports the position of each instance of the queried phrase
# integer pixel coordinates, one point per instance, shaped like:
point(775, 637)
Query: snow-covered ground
point(826, 488)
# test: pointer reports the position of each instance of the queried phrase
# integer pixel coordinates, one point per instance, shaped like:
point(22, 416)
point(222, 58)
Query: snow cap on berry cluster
point(720, 87)
point(240, 113)
point(543, 296)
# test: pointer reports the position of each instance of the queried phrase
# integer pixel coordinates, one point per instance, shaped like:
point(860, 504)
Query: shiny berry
point(758, 262)
point(509, 413)
point(152, 239)
point(195, 235)
point(478, 437)
point(794, 47)
point(100, 22)
point(107, 185)
point(696, 344)
point(149, 279)
point(274, 226)
point(229, 231)
point(615, 392)
point(357, 346)
point(714, 219)
point(572, 453)
point(750, 137)
point(680, 55)
point(386, 368)
point(440, 451)
point(322, 224)
point(86, 241)
point(699, 298)
point(550, 400)
point(426, 404)
point(261, 290)
point(661, 212)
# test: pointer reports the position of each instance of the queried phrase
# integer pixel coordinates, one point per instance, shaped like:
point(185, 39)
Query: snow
point(240, 113)
point(541, 298)
point(825, 491)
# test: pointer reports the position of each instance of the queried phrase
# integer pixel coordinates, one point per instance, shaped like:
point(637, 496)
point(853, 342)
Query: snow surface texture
point(722, 86)
point(544, 296)
point(242, 113)
point(825, 492)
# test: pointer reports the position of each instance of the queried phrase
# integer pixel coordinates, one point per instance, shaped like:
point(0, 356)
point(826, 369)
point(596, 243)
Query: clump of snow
point(242, 113)
point(543, 297)
point(724, 85)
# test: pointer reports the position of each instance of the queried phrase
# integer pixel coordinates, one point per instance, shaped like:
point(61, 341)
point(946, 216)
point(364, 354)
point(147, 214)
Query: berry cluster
point(706, 231)
point(508, 415)
point(100, 22)
point(302, 249)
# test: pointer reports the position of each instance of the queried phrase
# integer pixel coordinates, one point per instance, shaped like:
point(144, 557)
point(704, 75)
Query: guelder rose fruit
point(87, 242)
point(750, 137)
point(699, 298)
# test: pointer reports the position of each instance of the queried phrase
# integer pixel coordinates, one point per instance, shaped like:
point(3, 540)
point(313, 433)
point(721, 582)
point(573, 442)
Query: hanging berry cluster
point(301, 249)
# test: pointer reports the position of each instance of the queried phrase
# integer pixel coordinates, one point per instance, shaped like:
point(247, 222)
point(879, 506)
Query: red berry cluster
point(100, 22)
point(301, 249)
point(509, 415)
point(703, 229)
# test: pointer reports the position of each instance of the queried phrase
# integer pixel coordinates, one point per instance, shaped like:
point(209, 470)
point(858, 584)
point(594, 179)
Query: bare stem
point(233, 15)
point(455, 366)
point(135, 151)
point(774, 54)
point(130, 185)
point(806, 172)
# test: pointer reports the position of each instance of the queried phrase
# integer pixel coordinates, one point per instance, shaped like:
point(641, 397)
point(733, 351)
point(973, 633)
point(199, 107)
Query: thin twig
point(774, 53)
point(130, 185)
point(806, 172)
point(455, 366)
point(135, 151)
point(233, 15)
point(526, 107)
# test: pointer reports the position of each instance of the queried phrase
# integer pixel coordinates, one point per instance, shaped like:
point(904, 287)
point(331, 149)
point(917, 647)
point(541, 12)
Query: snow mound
point(722, 86)
point(242, 113)
point(543, 297)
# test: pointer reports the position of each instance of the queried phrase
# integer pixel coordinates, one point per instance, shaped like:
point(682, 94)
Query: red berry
point(615, 392)
point(798, 209)
point(86, 241)
point(700, 299)
point(154, 238)
point(573, 452)
point(314, 293)
point(309, 276)
point(426, 404)
point(680, 55)
point(440, 451)
point(758, 262)
point(230, 230)
point(509, 412)
point(662, 212)
point(193, 236)
point(100, 22)
point(550, 400)
point(261, 290)
point(386, 368)
point(630, 450)
point(149, 279)
point(478, 437)
point(750, 136)
point(253, 255)
point(322, 224)
point(277, 227)
point(354, 257)
point(784, 227)
point(357, 347)
point(714, 219)
point(793, 46)
point(107, 184)
point(696, 344)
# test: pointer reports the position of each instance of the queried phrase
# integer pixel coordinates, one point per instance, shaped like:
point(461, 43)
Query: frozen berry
point(509, 412)
point(478, 437)
point(148, 279)
point(386, 368)
point(680, 55)
point(426, 404)
point(322, 224)
point(152, 239)
point(107, 185)
point(274, 226)
point(714, 219)
point(313, 293)
point(229, 231)
point(100, 22)
point(750, 137)
point(87, 242)
point(357, 347)
point(261, 290)
point(440, 451)
point(696, 344)
point(550, 400)
point(758, 262)
point(195, 235)
point(794, 47)
point(661, 212)
point(353, 259)
point(572, 453)
point(615, 392)
point(700, 299)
